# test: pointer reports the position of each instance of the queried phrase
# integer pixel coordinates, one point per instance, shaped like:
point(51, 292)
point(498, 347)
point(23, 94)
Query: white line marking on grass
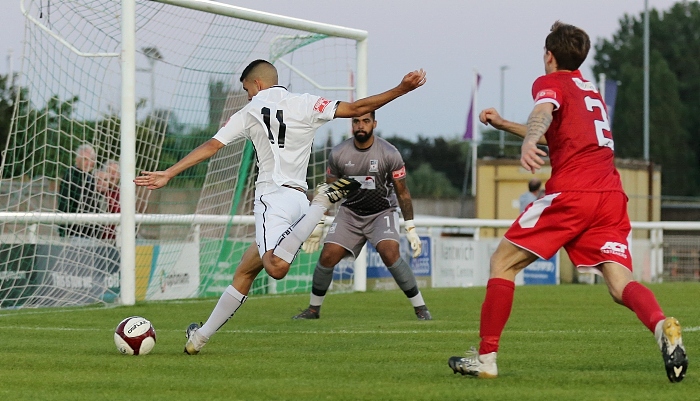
point(82, 308)
point(336, 332)
point(27, 328)
point(50, 311)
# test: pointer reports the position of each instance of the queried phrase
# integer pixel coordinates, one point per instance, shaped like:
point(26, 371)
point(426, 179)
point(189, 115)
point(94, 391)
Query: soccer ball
point(135, 336)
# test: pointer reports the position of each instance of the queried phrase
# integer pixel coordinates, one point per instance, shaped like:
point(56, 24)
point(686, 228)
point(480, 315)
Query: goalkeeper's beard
point(362, 136)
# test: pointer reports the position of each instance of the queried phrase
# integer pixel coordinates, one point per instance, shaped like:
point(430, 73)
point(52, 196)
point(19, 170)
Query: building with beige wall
point(500, 182)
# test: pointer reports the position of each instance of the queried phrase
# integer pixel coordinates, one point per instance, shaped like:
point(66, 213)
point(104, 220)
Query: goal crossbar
point(268, 18)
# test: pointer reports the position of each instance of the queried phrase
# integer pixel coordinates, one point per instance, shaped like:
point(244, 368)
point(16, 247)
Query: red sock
point(642, 301)
point(495, 312)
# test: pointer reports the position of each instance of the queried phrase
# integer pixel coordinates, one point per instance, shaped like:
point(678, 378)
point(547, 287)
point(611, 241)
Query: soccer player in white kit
point(281, 126)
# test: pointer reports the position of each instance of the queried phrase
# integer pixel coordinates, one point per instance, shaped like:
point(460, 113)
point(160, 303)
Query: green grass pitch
point(568, 342)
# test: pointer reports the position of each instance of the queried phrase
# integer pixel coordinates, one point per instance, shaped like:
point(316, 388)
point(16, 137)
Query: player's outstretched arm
point(491, 117)
point(411, 81)
point(158, 179)
point(537, 125)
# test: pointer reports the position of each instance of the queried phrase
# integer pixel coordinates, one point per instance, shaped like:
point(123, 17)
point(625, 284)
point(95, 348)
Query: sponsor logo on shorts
point(321, 104)
point(332, 229)
point(615, 248)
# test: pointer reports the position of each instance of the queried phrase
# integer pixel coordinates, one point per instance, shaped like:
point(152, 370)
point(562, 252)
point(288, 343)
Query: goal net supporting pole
point(128, 115)
point(127, 160)
point(360, 264)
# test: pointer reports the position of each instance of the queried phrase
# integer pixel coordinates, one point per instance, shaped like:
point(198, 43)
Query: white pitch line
point(351, 332)
point(51, 311)
point(44, 311)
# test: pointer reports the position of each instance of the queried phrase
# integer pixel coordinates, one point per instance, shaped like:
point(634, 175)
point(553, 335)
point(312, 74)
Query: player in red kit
point(584, 209)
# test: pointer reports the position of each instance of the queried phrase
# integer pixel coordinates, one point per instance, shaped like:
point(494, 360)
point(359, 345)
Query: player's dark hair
point(568, 44)
point(252, 66)
point(372, 114)
point(534, 185)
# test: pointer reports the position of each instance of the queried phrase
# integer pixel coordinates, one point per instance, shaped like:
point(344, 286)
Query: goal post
point(127, 167)
point(142, 83)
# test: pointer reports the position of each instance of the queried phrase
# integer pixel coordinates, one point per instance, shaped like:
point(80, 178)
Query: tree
point(674, 77)
point(427, 183)
point(8, 94)
point(490, 147)
point(446, 157)
point(38, 137)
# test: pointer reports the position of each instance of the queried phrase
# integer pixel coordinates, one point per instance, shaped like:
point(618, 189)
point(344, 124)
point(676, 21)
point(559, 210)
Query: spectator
point(107, 181)
point(77, 192)
point(532, 195)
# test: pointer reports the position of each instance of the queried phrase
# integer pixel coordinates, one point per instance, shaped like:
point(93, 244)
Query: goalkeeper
point(367, 214)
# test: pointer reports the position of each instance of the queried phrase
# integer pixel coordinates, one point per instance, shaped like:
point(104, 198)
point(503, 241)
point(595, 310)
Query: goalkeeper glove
point(413, 238)
point(312, 243)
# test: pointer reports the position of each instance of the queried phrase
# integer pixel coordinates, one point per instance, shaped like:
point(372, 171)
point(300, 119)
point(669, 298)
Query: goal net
point(60, 233)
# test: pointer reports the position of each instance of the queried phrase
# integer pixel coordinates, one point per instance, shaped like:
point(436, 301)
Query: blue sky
point(448, 38)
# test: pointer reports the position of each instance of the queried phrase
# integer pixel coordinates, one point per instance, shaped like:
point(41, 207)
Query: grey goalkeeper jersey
point(375, 167)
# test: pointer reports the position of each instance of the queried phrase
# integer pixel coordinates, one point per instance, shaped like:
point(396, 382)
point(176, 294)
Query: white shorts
point(274, 213)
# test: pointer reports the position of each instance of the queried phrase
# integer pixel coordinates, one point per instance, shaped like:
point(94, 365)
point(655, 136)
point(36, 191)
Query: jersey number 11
point(282, 130)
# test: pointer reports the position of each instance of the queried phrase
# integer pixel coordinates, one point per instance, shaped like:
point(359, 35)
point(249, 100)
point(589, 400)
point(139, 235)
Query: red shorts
point(593, 227)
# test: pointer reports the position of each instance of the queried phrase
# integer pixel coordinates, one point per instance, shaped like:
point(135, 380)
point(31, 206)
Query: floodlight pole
point(10, 75)
point(152, 71)
point(501, 134)
point(646, 80)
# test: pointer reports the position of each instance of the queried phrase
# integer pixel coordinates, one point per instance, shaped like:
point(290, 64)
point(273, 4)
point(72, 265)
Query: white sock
point(659, 332)
point(228, 304)
point(292, 239)
point(316, 300)
point(417, 300)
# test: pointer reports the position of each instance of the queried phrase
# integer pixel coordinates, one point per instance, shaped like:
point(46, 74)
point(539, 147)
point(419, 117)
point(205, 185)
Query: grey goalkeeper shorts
point(351, 230)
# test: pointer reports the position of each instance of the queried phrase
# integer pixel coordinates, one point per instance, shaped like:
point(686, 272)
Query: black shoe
point(672, 350)
point(308, 313)
point(422, 313)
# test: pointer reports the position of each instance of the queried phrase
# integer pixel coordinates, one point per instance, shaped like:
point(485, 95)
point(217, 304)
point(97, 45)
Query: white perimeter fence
point(456, 252)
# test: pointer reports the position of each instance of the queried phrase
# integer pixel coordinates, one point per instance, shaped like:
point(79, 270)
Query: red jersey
point(113, 206)
point(579, 137)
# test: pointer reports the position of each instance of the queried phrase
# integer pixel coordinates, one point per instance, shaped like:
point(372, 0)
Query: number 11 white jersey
point(281, 126)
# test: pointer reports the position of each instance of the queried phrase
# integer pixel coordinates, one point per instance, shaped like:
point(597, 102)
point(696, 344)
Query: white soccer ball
point(135, 336)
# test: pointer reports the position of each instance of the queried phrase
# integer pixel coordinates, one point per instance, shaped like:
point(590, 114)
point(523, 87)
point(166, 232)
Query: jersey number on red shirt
point(602, 127)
